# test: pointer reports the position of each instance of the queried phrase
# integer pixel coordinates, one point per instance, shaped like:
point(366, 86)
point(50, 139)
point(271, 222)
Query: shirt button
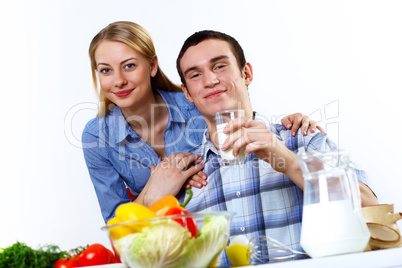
point(238, 193)
point(242, 228)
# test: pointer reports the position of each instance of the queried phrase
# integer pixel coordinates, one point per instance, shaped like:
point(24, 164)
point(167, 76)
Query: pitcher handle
point(354, 186)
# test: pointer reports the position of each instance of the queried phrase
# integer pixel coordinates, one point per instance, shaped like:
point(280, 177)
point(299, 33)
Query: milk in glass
point(222, 118)
point(228, 154)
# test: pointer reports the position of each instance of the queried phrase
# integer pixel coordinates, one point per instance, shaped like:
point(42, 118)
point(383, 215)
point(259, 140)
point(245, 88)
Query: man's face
point(213, 79)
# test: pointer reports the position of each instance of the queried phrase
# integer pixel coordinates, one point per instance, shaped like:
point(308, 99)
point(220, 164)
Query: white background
point(337, 61)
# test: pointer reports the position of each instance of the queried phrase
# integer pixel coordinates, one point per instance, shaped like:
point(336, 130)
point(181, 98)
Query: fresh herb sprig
point(20, 255)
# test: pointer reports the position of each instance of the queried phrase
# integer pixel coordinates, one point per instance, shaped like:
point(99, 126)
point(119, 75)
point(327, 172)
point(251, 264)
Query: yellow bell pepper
point(118, 231)
point(134, 212)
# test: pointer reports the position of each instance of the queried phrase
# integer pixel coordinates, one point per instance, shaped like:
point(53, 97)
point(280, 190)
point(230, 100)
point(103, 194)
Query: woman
point(144, 121)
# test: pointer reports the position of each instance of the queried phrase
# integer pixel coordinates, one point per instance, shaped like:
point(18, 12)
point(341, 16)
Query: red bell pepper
point(169, 205)
point(188, 223)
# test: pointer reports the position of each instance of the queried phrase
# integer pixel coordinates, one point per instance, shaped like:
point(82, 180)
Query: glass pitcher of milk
point(332, 221)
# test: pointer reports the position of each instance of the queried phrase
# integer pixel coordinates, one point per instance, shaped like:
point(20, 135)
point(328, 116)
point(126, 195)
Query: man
point(266, 192)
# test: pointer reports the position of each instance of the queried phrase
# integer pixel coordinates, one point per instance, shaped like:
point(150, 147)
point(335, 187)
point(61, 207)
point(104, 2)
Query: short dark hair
point(200, 36)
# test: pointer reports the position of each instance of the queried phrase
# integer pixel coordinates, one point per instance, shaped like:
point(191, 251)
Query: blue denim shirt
point(117, 157)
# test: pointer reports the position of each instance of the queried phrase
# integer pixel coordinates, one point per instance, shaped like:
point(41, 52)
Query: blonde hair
point(136, 37)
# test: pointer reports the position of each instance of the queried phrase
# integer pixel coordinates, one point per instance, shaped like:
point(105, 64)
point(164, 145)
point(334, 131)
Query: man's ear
point(186, 93)
point(248, 73)
point(153, 65)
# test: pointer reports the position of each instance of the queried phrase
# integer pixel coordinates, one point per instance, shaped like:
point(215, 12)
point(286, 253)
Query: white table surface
point(385, 258)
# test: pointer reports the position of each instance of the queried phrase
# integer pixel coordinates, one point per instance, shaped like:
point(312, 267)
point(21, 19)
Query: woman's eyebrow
point(124, 61)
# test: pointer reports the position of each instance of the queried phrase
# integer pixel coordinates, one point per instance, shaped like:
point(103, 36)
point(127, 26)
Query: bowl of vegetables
point(166, 235)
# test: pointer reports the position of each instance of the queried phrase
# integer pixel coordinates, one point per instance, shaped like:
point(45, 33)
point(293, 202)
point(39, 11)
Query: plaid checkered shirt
point(266, 202)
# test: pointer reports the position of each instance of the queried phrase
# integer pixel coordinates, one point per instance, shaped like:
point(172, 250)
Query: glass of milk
point(222, 119)
point(332, 220)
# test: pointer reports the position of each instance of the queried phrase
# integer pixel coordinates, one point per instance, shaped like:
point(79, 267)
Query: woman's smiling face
point(124, 74)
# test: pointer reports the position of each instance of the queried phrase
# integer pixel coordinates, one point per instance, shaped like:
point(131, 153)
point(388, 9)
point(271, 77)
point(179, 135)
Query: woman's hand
point(169, 176)
point(297, 120)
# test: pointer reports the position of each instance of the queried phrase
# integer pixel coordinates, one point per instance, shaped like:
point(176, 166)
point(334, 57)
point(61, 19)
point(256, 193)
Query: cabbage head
point(167, 244)
point(159, 245)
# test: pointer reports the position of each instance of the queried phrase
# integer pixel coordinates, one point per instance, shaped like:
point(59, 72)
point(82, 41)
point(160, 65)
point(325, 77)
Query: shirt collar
point(207, 146)
point(123, 129)
point(175, 114)
point(120, 126)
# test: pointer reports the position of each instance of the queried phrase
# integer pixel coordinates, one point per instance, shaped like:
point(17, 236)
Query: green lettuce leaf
point(202, 251)
point(159, 245)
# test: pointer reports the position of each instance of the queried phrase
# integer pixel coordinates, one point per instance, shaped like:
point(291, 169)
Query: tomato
point(66, 263)
point(96, 254)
